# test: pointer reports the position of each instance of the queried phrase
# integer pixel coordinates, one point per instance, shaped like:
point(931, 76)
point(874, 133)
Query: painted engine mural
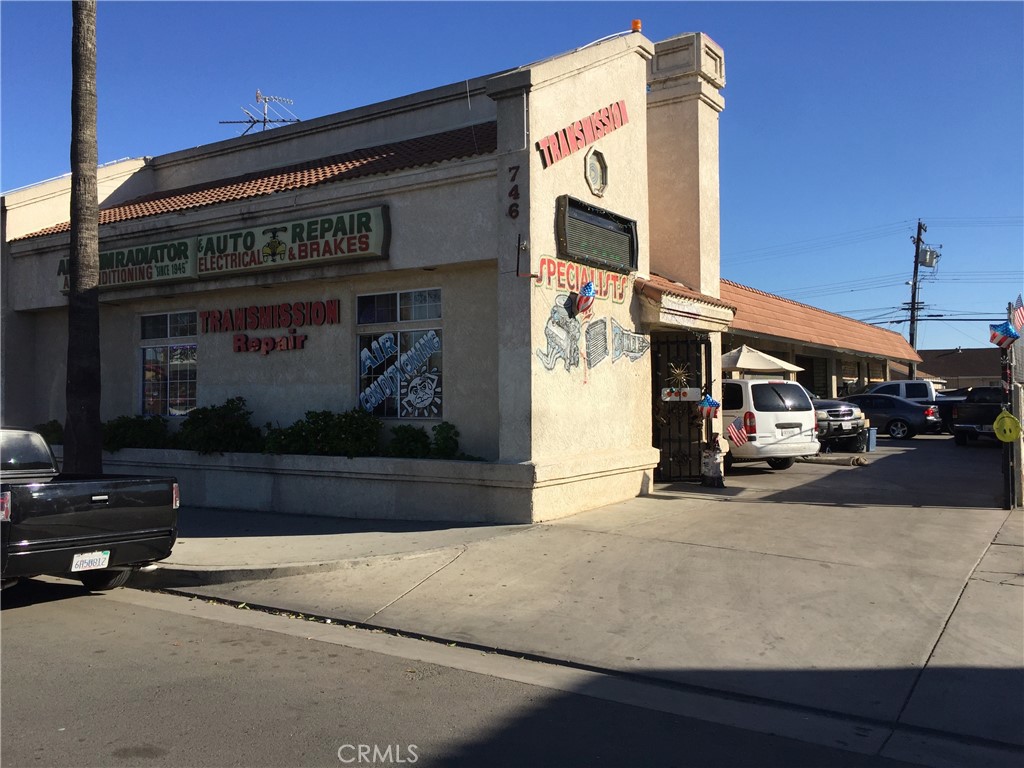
point(573, 334)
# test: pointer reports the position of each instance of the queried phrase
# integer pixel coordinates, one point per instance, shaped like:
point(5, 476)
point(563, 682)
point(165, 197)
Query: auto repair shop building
point(486, 254)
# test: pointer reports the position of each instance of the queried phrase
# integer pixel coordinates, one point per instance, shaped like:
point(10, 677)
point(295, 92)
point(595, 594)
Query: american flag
point(735, 431)
point(1018, 314)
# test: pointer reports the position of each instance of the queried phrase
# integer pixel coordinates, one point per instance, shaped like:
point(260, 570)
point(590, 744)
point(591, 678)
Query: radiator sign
point(138, 265)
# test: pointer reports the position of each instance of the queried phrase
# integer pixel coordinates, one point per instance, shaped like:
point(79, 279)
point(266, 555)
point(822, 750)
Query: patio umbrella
point(746, 358)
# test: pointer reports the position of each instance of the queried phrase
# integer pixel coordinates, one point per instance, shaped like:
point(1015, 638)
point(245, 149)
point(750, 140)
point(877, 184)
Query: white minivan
point(778, 421)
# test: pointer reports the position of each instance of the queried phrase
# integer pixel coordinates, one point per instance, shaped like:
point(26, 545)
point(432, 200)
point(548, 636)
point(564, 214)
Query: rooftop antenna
point(266, 120)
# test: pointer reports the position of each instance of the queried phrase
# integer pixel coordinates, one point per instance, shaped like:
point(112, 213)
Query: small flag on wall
point(1018, 314)
point(735, 431)
point(1003, 335)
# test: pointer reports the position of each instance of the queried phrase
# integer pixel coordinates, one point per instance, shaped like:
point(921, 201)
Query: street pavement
point(886, 600)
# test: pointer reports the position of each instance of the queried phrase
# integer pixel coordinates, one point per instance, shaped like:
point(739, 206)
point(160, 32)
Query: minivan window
point(779, 396)
point(732, 397)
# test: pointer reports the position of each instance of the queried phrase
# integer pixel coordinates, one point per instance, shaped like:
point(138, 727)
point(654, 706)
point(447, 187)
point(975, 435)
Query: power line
point(863, 235)
point(816, 244)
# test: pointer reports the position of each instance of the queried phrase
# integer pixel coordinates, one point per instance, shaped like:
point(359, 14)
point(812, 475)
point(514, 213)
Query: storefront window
point(400, 370)
point(400, 374)
point(169, 363)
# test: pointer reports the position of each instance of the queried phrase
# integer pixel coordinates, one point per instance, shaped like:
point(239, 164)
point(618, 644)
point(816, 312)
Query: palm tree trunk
point(83, 451)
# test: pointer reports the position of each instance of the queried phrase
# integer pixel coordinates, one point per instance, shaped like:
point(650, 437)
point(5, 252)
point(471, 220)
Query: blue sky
point(845, 122)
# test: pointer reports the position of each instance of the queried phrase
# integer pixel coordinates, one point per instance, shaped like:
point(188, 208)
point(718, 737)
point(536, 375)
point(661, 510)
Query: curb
point(172, 576)
point(175, 575)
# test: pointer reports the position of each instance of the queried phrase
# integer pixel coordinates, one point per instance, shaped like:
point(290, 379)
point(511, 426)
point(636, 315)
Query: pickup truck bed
point(92, 528)
point(973, 416)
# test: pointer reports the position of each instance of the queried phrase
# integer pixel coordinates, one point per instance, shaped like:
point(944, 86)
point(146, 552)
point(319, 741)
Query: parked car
point(840, 424)
point(974, 416)
point(896, 416)
point(918, 390)
point(778, 421)
point(94, 528)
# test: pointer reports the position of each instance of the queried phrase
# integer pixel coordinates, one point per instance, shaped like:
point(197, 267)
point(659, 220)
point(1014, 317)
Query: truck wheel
point(899, 429)
point(960, 438)
point(781, 463)
point(97, 581)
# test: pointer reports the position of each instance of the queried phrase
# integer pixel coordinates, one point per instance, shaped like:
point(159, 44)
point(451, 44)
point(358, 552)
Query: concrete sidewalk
point(907, 618)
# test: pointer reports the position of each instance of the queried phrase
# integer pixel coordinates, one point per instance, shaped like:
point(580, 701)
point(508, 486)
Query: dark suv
point(840, 424)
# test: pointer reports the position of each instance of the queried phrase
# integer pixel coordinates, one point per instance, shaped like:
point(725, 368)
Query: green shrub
point(220, 429)
point(409, 442)
point(324, 433)
point(446, 441)
point(135, 432)
point(362, 432)
point(52, 432)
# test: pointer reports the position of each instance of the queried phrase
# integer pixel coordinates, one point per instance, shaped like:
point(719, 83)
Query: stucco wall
point(686, 75)
point(596, 403)
point(439, 240)
point(48, 203)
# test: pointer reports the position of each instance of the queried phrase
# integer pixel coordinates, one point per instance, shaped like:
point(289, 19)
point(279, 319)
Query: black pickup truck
point(973, 416)
point(93, 528)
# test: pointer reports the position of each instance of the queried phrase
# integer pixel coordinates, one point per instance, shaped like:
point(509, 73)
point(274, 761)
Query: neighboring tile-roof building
point(460, 143)
point(765, 315)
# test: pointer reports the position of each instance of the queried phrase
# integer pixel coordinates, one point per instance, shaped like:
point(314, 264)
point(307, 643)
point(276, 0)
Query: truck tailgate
point(131, 517)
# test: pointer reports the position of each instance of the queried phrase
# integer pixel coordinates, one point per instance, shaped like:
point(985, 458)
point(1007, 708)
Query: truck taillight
point(5, 505)
point(749, 423)
point(175, 496)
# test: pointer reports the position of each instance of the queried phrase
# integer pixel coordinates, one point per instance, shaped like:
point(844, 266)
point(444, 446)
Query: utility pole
point(1007, 359)
point(921, 229)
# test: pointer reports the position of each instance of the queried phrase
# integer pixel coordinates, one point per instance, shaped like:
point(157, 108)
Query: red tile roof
point(764, 314)
point(480, 139)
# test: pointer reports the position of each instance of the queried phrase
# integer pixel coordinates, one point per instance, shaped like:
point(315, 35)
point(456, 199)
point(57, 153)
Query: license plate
point(90, 561)
point(789, 432)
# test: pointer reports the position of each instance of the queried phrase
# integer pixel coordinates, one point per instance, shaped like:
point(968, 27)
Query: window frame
point(168, 343)
point(399, 308)
point(411, 316)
